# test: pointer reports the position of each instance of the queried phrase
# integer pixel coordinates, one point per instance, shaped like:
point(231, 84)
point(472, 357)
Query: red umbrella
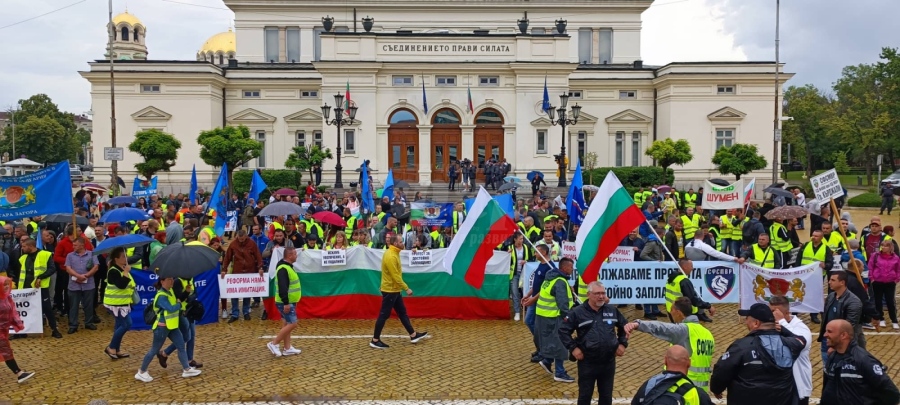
point(328, 217)
point(286, 192)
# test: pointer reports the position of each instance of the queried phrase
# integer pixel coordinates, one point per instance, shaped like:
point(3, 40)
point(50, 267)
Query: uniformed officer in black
point(852, 375)
point(601, 338)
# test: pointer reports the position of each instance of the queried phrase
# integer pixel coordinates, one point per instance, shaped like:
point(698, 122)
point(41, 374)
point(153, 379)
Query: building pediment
point(585, 118)
point(151, 113)
point(541, 122)
point(306, 115)
point(251, 115)
point(628, 117)
point(726, 114)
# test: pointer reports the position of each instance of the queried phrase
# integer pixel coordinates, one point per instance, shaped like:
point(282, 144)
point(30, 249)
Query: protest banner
point(569, 250)
point(792, 259)
point(622, 254)
point(231, 222)
point(802, 286)
point(35, 193)
point(420, 258)
point(716, 197)
point(28, 304)
point(336, 257)
point(243, 286)
point(142, 188)
point(204, 286)
point(827, 186)
point(431, 214)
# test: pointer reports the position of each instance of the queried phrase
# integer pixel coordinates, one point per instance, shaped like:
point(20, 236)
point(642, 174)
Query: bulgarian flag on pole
point(611, 217)
point(485, 227)
point(347, 95)
point(748, 191)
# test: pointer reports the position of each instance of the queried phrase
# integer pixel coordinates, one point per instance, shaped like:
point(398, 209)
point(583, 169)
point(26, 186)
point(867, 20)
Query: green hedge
point(632, 177)
point(866, 200)
point(275, 179)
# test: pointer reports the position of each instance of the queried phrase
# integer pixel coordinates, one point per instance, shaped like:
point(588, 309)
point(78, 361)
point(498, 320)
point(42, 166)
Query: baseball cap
point(760, 312)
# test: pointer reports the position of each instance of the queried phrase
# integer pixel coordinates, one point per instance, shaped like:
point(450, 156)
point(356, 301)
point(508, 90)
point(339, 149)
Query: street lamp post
point(562, 120)
point(13, 122)
point(339, 121)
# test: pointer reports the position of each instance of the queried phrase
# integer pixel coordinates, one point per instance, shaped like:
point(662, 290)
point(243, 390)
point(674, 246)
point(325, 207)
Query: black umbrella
point(401, 184)
point(509, 186)
point(720, 182)
point(779, 192)
point(793, 187)
point(282, 208)
point(776, 185)
point(65, 219)
point(185, 260)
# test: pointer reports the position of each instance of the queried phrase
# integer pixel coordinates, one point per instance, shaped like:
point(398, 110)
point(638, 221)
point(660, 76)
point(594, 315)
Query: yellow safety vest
point(725, 227)
point(455, 221)
point(702, 346)
point(716, 234)
point(312, 225)
point(130, 252)
point(527, 256)
point(118, 296)
point(41, 261)
point(647, 195)
point(436, 236)
point(533, 230)
point(170, 318)
point(691, 397)
point(582, 290)
point(834, 242)
point(546, 303)
point(349, 229)
point(764, 258)
point(781, 245)
point(294, 292)
point(810, 255)
point(691, 224)
point(690, 200)
point(673, 292)
point(638, 198)
point(737, 233)
point(184, 286)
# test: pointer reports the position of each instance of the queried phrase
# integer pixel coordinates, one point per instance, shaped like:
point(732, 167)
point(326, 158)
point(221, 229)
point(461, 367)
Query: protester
point(183, 290)
point(851, 374)
point(554, 302)
point(521, 254)
point(287, 297)
point(672, 386)
point(679, 285)
point(244, 258)
point(37, 267)
point(884, 273)
point(841, 304)
point(167, 308)
point(392, 286)
point(118, 298)
point(9, 319)
point(802, 368)
point(763, 254)
point(81, 265)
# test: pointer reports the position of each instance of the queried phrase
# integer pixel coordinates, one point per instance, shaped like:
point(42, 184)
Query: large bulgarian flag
point(486, 226)
point(610, 218)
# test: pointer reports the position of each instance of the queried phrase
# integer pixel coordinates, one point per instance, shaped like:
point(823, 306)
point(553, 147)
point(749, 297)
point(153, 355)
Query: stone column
point(282, 44)
point(424, 155)
point(467, 148)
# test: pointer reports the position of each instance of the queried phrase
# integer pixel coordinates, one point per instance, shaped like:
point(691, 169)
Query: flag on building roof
point(611, 218)
point(347, 96)
point(424, 99)
point(545, 103)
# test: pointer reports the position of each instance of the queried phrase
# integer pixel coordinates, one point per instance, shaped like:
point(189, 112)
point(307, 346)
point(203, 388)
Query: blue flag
point(139, 189)
point(368, 201)
point(545, 103)
point(194, 185)
point(218, 200)
point(39, 240)
point(36, 194)
point(389, 186)
point(424, 99)
point(575, 200)
point(257, 185)
point(504, 200)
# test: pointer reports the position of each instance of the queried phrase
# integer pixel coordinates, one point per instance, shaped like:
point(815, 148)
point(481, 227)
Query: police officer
point(679, 285)
point(687, 332)
point(672, 386)
point(853, 375)
point(601, 338)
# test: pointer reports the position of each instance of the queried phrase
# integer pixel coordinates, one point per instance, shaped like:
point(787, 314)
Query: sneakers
point(25, 376)
point(224, 314)
point(881, 324)
point(546, 366)
point(246, 317)
point(566, 378)
point(868, 326)
point(143, 376)
point(895, 326)
point(274, 349)
point(191, 372)
point(378, 345)
point(290, 351)
point(418, 337)
point(517, 317)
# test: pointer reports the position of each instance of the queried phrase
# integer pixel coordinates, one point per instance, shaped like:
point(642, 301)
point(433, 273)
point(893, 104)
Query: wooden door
point(403, 151)
point(445, 148)
point(488, 143)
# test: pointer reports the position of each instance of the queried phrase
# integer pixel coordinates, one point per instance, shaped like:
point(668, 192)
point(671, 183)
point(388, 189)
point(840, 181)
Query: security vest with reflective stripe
point(118, 296)
point(184, 286)
point(170, 318)
point(690, 395)
point(811, 255)
point(737, 233)
point(313, 226)
point(638, 198)
point(764, 258)
point(702, 346)
point(351, 224)
point(130, 252)
point(834, 241)
point(718, 235)
point(437, 237)
point(533, 230)
point(294, 292)
point(456, 221)
point(725, 228)
point(41, 261)
point(691, 224)
point(673, 292)
point(781, 245)
point(527, 256)
point(582, 290)
point(690, 200)
point(546, 303)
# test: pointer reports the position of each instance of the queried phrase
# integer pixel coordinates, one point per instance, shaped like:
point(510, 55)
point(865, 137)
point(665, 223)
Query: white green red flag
point(611, 217)
point(347, 96)
point(486, 226)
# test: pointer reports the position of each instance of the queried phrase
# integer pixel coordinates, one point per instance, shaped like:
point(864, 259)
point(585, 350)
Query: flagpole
point(536, 251)
point(662, 242)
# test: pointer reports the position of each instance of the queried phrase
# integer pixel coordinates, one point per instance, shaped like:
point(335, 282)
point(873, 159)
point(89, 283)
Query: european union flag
point(575, 200)
point(194, 185)
point(545, 102)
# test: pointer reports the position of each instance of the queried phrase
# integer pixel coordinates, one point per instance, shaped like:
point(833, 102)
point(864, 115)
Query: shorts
point(291, 316)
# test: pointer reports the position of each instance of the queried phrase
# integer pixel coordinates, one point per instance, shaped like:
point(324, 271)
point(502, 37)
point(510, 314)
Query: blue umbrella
point(512, 179)
point(124, 215)
point(533, 173)
point(125, 241)
point(123, 199)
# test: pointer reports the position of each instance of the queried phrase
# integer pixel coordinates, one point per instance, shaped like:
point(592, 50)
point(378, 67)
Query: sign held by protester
point(716, 197)
point(569, 250)
point(802, 286)
point(827, 186)
point(337, 257)
point(243, 286)
point(28, 304)
point(231, 223)
point(420, 258)
point(622, 254)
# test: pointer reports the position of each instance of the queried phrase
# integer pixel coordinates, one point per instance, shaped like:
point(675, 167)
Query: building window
point(125, 33)
point(620, 148)
point(301, 139)
point(725, 89)
point(724, 137)
point(317, 138)
point(636, 148)
point(137, 35)
point(575, 94)
point(605, 46)
point(488, 81)
point(541, 148)
point(293, 45)
point(221, 59)
point(585, 40)
point(627, 94)
point(149, 88)
point(350, 141)
point(251, 93)
point(402, 80)
point(582, 145)
point(271, 44)
point(446, 80)
point(261, 137)
point(309, 94)
point(538, 31)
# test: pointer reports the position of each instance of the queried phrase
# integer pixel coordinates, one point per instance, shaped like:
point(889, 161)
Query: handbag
point(135, 298)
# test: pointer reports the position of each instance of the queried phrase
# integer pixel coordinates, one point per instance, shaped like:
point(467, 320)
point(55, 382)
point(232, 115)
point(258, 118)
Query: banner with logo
point(28, 304)
point(205, 286)
point(243, 286)
point(645, 282)
point(716, 197)
point(231, 222)
point(36, 193)
point(431, 214)
point(802, 286)
point(142, 188)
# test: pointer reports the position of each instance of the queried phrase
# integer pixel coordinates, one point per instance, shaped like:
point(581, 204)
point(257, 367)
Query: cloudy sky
point(819, 37)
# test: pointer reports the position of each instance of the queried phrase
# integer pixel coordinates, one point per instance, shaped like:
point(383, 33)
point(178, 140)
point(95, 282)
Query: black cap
point(760, 312)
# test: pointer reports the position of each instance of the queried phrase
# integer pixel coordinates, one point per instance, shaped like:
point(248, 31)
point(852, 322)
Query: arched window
point(221, 59)
point(137, 35)
point(446, 116)
point(489, 117)
point(403, 117)
point(125, 33)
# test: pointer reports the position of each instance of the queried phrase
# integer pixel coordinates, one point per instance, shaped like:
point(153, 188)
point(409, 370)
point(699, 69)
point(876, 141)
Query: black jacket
point(599, 332)
point(857, 377)
point(672, 243)
point(687, 290)
point(847, 307)
point(757, 369)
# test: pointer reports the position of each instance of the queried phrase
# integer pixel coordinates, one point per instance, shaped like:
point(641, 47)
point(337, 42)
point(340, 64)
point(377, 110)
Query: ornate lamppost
point(339, 120)
point(563, 120)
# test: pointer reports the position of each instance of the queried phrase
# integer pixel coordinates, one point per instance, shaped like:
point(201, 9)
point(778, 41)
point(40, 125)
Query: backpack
point(664, 397)
point(150, 315)
point(194, 310)
point(749, 233)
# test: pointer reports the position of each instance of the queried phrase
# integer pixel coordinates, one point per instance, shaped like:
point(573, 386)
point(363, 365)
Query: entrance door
point(403, 146)
point(446, 138)
point(488, 138)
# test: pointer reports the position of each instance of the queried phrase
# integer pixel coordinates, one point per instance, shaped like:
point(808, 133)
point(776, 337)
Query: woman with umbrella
point(537, 178)
point(118, 298)
point(167, 308)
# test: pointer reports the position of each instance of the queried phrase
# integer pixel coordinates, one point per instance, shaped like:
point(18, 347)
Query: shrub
point(866, 200)
point(633, 177)
point(275, 179)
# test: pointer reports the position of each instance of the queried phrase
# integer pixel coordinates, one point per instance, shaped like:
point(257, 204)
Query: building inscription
point(445, 49)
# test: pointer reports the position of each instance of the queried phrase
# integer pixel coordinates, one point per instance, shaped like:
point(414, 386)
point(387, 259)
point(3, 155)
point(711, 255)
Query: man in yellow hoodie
point(392, 287)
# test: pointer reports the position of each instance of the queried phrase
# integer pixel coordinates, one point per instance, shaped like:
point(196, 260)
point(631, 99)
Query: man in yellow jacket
point(392, 286)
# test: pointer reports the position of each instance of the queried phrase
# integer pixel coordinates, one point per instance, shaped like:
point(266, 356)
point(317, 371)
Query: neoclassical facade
point(436, 81)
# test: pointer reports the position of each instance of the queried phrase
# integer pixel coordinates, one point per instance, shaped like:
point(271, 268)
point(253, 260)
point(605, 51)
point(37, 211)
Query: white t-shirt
point(802, 366)
point(801, 199)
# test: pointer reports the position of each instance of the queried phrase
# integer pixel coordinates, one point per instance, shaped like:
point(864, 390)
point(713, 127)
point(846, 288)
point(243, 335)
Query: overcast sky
point(819, 37)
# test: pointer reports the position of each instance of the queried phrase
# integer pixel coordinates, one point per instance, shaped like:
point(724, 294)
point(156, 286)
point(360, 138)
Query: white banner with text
point(28, 304)
point(243, 286)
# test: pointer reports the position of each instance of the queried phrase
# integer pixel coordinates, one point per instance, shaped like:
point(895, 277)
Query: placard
point(334, 258)
point(28, 303)
point(231, 222)
point(802, 286)
point(569, 250)
point(792, 259)
point(243, 286)
point(716, 197)
point(622, 254)
point(420, 258)
point(827, 186)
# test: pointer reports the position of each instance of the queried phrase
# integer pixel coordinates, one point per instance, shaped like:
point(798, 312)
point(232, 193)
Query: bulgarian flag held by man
point(486, 226)
point(611, 217)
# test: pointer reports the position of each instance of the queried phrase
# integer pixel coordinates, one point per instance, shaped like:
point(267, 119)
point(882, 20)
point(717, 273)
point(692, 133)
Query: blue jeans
point(651, 309)
point(234, 307)
point(559, 365)
point(159, 337)
point(516, 293)
point(529, 318)
point(189, 334)
point(735, 247)
point(824, 353)
point(122, 325)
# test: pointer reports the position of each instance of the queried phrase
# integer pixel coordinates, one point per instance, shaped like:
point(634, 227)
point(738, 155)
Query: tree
point(738, 159)
point(231, 145)
point(35, 145)
point(668, 152)
point(304, 158)
point(888, 69)
point(158, 149)
point(810, 108)
point(590, 161)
